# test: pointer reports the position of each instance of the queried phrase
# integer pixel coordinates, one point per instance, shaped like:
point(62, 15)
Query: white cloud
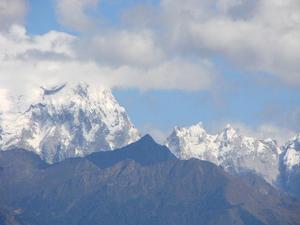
point(167, 75)
point(5, 102)
point(72, 13)
point(257, 36)
point(16, 44)
point(261, 36)
point(173, 74)
point(264, 131)
point(167, 48)
point(157, 134)
point(27, 62)
point(122, 47)
point(11, 12)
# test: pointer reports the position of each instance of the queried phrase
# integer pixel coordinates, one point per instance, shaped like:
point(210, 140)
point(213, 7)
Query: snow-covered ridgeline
point(234, 152)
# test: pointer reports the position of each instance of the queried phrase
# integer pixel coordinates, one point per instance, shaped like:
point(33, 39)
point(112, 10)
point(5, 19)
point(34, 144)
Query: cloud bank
point(72, 13)
point(169, 45)
point(12, 11)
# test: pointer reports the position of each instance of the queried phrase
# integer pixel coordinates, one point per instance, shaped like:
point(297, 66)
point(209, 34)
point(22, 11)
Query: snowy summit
point(69, 121)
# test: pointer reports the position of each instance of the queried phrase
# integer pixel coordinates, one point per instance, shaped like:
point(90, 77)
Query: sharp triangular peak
point(147, 139)
point(229, 132)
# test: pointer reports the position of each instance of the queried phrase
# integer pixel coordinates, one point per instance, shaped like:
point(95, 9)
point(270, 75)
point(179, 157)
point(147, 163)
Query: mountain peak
point(235, 153)
point(144, 151)
point(228, 126)
point(291, 166)
point(194, 130)
point(70, 121)
point(147, 139)
point(229, 132)
point(297, 138)
point(294, 143)
point(292, 153)
point(198, 128)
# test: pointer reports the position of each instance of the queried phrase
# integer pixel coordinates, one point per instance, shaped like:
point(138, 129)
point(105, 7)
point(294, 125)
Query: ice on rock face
point(69, 122)
point(237, 154)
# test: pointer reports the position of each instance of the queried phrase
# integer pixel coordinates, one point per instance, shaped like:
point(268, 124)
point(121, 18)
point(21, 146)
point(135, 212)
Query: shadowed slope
point(142, 183)
point(145, 151)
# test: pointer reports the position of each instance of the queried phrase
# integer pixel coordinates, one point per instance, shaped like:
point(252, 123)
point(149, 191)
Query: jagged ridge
point(235, 153)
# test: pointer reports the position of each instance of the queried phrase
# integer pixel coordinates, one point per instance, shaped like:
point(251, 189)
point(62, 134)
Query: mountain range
point(142, 183)
point(239, 155)
point(75, 121)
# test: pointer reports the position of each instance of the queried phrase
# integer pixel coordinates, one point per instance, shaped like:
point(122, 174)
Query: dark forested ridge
point(142, 183)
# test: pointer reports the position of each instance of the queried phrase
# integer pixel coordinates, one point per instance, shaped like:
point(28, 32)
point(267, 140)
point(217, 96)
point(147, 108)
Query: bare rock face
point(69, 121)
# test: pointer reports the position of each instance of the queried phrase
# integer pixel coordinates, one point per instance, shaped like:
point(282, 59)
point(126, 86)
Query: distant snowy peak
point(70, 121)
point(188, 142)
point(291, 153)
point(290, 166)
point(234, 152)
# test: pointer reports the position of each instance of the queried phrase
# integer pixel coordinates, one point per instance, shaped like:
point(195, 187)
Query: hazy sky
point(169, 62)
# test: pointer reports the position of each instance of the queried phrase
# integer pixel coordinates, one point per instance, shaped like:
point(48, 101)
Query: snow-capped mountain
point(291, 153)
point(69, 121)
point(290, 166)
point(237, 154)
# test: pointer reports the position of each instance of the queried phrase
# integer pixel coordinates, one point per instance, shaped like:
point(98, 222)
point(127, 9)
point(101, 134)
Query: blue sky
point(247, 102)
point(254, 85)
